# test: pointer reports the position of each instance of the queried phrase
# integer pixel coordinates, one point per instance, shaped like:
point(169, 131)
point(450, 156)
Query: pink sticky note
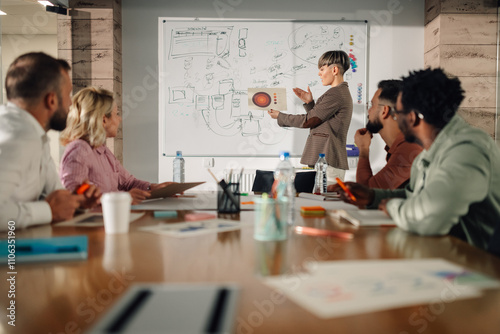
point(199, 216)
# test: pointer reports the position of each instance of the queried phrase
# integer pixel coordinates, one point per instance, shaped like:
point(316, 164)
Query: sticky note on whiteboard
point(267, 98)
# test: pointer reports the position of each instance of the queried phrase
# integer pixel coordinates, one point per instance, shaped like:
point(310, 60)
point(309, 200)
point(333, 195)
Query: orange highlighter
point(322, 233)
point(347, 191)
point(83, 188)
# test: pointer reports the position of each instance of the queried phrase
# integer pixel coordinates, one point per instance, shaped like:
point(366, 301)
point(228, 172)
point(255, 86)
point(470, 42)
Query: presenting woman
point(92, 118)
point(328, 119)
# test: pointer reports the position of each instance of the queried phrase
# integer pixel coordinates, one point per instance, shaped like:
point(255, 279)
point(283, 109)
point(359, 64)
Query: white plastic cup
point(116, 212)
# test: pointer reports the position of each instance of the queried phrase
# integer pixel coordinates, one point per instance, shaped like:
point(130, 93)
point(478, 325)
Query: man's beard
point(58, 120)
point(409, 136)
point(374, 127)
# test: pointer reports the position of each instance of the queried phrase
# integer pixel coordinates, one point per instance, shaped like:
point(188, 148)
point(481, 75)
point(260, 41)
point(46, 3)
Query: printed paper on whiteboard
point(267, 98)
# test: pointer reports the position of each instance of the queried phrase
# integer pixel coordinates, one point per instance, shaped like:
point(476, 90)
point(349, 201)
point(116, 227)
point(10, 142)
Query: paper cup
point(116, 212)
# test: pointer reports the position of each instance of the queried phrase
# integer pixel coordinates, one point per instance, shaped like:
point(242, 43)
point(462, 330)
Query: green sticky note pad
point(165, 214)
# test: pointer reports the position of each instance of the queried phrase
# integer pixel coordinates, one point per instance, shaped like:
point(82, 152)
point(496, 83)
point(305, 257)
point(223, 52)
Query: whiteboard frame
point(161, 70)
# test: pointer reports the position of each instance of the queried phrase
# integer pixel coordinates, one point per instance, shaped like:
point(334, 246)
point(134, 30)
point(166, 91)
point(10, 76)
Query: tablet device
point(172, 308)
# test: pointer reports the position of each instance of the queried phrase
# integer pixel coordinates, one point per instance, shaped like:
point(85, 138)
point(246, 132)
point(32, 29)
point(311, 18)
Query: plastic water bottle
point(178, 168)
point(284, 177)
point(320, 181)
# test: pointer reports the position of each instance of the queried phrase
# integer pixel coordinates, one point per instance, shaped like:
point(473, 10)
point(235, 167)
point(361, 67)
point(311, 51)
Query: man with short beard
point(400, 153)
point(39, 95)
point(454, 186)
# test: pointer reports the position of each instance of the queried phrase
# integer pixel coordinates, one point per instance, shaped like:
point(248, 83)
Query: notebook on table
point(45, 249)
point(173, 308)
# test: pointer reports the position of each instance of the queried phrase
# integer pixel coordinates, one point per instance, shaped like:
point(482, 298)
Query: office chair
point(304, 181)
point(494, 246)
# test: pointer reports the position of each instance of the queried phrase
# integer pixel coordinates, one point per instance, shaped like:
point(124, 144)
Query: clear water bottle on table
point(320, 180)
point(179, 168)
point(284, 187)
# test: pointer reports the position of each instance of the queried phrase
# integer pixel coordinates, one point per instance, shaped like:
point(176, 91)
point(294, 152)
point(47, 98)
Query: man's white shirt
point(27, 172)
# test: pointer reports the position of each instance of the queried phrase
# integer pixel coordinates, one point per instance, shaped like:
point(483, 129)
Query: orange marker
point(343, 186)
point(83, 188)
point(322, 233)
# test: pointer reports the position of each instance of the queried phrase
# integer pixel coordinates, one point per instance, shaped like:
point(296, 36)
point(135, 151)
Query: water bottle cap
point(322, 155)
point(179, 153)
point(284, 154)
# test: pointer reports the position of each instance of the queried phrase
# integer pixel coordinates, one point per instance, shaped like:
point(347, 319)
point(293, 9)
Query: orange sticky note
point(312, 208)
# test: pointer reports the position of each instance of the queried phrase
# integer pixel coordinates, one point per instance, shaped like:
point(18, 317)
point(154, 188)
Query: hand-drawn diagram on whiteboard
point(208, 66)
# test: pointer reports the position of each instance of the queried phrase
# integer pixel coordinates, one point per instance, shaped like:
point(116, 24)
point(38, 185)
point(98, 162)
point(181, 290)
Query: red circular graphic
point(261, 99)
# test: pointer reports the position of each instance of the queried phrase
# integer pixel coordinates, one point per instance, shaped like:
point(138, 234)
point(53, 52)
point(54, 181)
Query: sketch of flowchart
point(211, 65)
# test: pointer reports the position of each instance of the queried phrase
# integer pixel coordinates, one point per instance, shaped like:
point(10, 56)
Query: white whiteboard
point(206, 67)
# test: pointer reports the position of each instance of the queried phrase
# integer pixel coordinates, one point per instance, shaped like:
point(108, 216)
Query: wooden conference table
point(69, 297)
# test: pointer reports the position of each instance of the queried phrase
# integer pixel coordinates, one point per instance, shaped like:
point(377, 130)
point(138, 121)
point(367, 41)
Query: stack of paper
point(342, 288)
point(324, 197)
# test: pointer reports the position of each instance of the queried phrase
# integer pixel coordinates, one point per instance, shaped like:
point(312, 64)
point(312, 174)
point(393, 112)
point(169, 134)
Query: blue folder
point(352, 150)
point(46, 249)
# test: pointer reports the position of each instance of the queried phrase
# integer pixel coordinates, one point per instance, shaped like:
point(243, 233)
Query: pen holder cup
point(228, 200)
point(271, 219)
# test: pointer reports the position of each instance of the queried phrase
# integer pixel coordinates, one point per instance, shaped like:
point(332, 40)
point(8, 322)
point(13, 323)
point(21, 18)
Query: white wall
point(16, 45)
point(395, 47)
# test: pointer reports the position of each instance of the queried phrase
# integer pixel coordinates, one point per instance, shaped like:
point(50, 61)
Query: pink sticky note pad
point(199, 216)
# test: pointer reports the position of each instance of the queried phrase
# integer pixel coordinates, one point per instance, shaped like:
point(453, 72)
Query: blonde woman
point(92, 118)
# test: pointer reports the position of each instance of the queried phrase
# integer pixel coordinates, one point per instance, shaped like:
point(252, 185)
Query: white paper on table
point(324, 197)
point(328, 205)
point(440, 268)
point(359, 217)
point(198, 201)
point(94, 219)
point(192, 229)
point(344, 288)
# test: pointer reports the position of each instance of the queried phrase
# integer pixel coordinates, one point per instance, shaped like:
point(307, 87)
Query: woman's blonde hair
point(85, 117)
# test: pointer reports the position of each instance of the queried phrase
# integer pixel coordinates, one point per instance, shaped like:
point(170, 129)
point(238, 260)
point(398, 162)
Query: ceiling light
point(45, 3)
point(3, 13)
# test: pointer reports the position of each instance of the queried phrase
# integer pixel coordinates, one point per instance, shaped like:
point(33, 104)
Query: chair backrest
point(494, 246)
point(263, 181)
point(304, 181)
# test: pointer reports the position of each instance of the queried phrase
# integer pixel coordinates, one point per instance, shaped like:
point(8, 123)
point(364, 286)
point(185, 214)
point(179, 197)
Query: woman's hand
point(139, 195)
point(155, 186)
point(306, 97)
point(273, 113)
